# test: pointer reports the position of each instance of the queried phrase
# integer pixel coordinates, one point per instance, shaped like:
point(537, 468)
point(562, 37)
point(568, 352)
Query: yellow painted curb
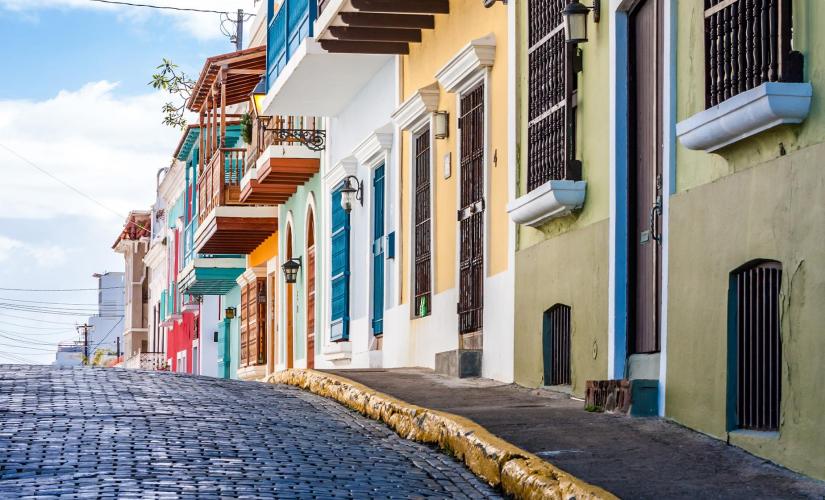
point(516, 471)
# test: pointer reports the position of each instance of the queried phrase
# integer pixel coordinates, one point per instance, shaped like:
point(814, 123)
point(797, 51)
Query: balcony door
point(645, 172)
point(378, 251)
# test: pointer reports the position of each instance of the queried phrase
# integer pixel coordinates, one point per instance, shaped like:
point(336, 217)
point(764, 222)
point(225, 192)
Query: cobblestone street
point(89, 433)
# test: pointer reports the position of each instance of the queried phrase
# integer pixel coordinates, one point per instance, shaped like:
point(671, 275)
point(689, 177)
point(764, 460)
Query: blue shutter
point(339, 320)
point(378, 252)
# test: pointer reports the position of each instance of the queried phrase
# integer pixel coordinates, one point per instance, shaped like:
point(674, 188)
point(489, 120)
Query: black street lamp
point(291, 268)
point(575, 20)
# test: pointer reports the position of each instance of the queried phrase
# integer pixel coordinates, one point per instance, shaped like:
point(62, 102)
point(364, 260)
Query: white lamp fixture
point(442, 124)
point(353, 190)
point(575, 20)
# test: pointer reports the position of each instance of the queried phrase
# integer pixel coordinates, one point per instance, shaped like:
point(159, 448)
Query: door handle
point(656, 209)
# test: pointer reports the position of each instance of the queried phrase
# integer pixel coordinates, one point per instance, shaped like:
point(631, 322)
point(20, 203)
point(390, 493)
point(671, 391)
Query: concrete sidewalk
point(630, 457)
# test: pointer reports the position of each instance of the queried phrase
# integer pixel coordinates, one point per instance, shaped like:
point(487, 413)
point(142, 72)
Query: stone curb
point(516, 471)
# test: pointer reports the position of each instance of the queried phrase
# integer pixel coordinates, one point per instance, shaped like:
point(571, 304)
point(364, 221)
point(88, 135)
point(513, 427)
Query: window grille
point(552, 84)
point(423, 247)
point(747, 43)
point(758, 346)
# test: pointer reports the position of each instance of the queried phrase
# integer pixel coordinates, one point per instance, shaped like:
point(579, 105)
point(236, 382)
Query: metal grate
point(423, 247)
point(557, 345)
point(471, 215)
point(747, 43)
point(551, 127)
point(758, 347)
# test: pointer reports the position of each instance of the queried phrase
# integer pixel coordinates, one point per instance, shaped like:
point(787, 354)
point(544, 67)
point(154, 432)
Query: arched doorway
point(310, 288)
point(289, 290)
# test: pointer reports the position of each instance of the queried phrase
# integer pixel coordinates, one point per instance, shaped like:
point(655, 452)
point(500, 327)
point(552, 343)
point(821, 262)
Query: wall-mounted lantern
point(353, 190)
point(291, 268)
point(257, 96)
point(229, 313)
point(575, 20)
point(442, 124)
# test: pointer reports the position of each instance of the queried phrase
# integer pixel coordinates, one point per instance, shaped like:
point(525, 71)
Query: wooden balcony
point(226, 225)
point(285, 153)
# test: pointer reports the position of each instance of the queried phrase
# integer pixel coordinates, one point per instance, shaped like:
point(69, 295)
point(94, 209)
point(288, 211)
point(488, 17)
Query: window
point(423, 248)
point(756, 345)
point(556, 343)
point(747, 43)
point(551, 127)
point(339, 272)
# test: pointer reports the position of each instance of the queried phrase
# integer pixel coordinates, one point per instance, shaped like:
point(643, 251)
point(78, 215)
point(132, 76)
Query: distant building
point(69, 354)
point(107, 325)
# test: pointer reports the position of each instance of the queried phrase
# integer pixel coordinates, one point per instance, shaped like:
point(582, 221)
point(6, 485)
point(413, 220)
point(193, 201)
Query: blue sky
point(75, 102)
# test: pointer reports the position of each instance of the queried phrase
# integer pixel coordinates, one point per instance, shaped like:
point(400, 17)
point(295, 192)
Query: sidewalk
point(630, 457)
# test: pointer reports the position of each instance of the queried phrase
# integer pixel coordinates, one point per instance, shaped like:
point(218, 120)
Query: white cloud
point(201, 25)
point(107, 146)
point(48, 256)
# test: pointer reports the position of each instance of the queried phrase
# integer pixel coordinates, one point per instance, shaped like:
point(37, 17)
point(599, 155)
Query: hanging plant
point(246, 128)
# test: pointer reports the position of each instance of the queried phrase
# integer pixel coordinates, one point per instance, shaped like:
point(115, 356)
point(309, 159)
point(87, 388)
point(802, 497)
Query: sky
point(74, 102)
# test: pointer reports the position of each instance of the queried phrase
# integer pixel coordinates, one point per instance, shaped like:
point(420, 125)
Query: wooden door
point(645, 175)
point(471, 213)
point(378, 251)
point(311, 306)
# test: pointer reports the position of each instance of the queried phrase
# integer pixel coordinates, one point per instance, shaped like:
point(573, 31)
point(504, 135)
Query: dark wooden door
point(311, 306)
point(471, 213)
point(645, 175)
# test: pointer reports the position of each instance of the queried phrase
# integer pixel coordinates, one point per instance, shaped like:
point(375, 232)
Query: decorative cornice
point(173, 183)
point(377, 142)
point(417, 107)
point(476, 55)
point(251, 274)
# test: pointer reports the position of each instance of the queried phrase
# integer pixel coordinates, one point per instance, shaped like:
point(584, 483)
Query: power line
point(30, 348)
point(104, 304)
point(33, 342)
point(38, 320)
point(18, 358)
point(166, 7)
point(66, 184)
point(107, 335)
point(59, 289)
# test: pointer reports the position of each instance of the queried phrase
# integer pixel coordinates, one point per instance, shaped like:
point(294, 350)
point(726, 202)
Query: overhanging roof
point(244, 69)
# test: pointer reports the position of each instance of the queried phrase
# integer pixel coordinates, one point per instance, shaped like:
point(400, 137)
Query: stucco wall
point(297, 206)
point(775, 211)
point(468, 20)
point(593, 129)
point(697, 167)
point(233, 299)
point(569, 269)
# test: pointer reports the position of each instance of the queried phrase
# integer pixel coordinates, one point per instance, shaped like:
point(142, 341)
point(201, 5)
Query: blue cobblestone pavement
point(108, 433)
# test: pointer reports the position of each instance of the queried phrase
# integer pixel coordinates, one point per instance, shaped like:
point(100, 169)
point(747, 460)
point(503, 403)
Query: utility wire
point(58, 289)
point(105, 304)
point(167, 7)
point(30, 341)
point(106, 336)
point(17, 358)
point(38, 320)
point(30, 348)
point(66, 184)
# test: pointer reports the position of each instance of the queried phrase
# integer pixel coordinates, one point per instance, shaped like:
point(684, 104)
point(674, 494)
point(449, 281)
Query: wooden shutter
point(423, 248)
point(244, 326)
point(339, 319)
point(747, 43)
point(310, 273)
point(551, 128)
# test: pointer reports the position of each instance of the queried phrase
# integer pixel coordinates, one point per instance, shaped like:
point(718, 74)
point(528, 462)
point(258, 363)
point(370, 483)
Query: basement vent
point(758, 346)
point(556, 342)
